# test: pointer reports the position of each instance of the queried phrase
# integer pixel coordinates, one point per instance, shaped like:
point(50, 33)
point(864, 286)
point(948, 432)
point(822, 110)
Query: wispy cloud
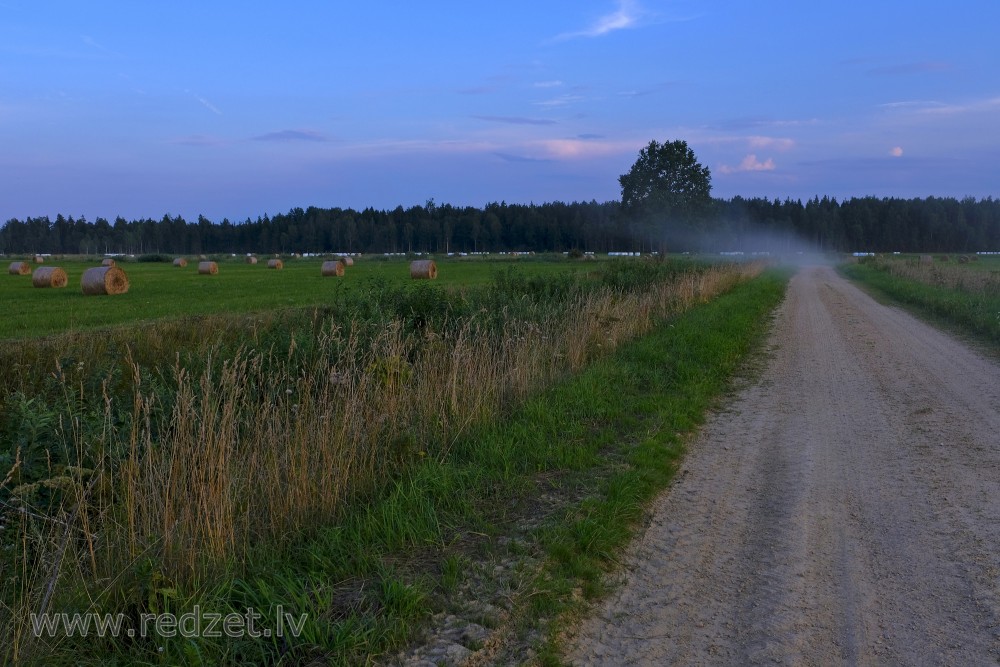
point(94, 44)
point(559, 101)
point(761, 122)
point(581, 149)
point(516, 120)
point(509, 157)
point(293, 135)
point(749, 163)
point(910, 68)
point(643, 92)
point(776, 143)
point(932, 108)
point(547, 84)
point(911, 104)
point(626, 16)
point(205, 103)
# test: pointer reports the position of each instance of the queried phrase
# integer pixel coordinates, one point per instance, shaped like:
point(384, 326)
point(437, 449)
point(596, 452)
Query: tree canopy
point(667, 181)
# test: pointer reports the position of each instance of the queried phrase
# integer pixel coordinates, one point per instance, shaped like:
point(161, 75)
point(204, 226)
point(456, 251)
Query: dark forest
point(861, 224)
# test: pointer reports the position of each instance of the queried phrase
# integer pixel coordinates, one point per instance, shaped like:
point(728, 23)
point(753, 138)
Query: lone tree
point(666, 183)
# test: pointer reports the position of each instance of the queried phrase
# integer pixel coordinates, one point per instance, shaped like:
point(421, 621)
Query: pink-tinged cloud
point(582, 149)
point(897, 151)
point(749, 163)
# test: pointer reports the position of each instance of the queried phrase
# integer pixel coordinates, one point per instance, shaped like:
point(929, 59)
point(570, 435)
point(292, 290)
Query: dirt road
point(843, 510)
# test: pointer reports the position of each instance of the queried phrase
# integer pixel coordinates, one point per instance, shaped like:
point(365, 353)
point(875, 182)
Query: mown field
point(160, 290)
point(370, 454)
point(961, 295)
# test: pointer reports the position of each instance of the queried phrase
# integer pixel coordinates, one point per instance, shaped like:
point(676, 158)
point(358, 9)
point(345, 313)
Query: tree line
point(859, 224)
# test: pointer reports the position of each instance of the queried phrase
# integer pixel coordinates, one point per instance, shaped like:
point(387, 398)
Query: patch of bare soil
point(844, 509)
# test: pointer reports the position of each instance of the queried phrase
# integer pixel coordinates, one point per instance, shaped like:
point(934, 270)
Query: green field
point(160, 290)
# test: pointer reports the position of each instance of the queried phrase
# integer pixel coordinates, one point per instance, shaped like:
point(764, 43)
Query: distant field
point(160, 290)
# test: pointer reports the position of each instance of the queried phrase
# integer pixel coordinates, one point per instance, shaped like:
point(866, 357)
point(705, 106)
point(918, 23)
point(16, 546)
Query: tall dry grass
point(235, 471)
point(254, 451)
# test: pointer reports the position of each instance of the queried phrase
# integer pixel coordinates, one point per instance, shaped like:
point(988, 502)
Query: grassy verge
point(970, 307)
point(504, 529)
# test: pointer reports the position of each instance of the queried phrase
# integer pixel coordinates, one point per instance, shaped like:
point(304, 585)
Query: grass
point(160, 290)
point(359, 473)
point(965, 297)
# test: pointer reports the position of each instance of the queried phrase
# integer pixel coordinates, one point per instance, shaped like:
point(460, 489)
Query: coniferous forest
point(860, 224)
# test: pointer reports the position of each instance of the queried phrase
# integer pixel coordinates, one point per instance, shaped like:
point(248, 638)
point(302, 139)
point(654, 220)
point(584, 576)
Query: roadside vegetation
point(959, 291)
point(352, 462)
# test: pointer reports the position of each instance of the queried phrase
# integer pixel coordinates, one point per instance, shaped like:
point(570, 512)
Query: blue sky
point(231, 109)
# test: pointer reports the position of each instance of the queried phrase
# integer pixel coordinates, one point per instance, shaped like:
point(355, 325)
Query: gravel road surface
point(845, 509)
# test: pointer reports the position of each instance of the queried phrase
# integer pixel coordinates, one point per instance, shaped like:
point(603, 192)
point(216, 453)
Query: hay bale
point(423, 269)
point(208, 268)
point(39, 259)
point(963, 259)
point(348, 261)
point(104, 280)
point(181, 262)
point(49, 276)
point(275, 264)
point(19, 269)
point(333, 268)
point(926, 259)
point(944, 258)
point(107, 261)
point(251, 260)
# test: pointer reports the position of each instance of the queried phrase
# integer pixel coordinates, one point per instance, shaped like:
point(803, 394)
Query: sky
point(236, 109)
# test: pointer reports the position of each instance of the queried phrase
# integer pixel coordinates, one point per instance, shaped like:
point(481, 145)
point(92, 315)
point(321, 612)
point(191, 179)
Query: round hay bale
point(181, 262)
point(49, 276)
point(275, 264)
point(208, 268)
point(19, 269)
point(963, 259)
point(333, 268)
point(423, 269)
point(107, 261)
point(251, 260)
point(348, 261)
point(39, 259)
point(104, 280)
